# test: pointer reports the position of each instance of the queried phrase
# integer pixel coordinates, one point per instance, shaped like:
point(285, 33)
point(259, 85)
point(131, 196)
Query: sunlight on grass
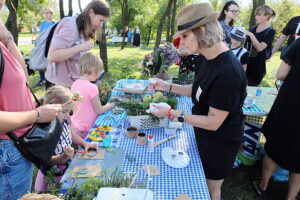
point(126, 64)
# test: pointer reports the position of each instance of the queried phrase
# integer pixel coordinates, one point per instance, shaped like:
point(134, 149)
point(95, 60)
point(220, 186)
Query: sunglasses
point(70, 112)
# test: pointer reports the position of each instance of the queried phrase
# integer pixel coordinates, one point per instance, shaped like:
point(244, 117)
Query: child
point(63, 152)
point(89, 109)
point(238, 37)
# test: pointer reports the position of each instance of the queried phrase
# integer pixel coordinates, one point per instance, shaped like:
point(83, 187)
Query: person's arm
point(283, 71)
point(76, 139)
point(212, 121)
point(185, 90)
point(58, 55)
point(245, 67)
point(11, 121)
point(259, 46)
point(8, 41)
point(60, 159)
point(99, 108)
point(279, 43)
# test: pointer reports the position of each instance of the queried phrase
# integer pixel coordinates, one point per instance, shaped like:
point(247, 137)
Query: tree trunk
point(103, 48)
point(161, 24)
point(70, 8)
point(149, 34)
point(61, 9)
point(11, 22)
point(256, 4)
point(125, 20)
point(173, 18)
point(79, 5)
point(168, 28)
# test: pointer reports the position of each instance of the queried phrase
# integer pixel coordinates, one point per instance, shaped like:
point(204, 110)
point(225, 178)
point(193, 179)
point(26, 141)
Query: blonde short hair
point(49, 9)
point(90, 63)
point(57, 94)
point(265, 10)
point(213, 34)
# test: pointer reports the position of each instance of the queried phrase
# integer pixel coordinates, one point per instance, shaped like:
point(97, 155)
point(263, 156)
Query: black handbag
point(39, 142)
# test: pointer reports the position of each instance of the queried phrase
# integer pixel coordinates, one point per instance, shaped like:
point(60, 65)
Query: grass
point(126, 64)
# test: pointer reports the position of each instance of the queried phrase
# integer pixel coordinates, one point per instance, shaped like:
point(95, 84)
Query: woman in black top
point(281, 127)
point(259, 43)
point(218, 93)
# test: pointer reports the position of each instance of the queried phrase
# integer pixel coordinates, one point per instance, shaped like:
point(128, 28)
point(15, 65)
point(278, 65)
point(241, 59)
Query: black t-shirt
point(221, 83)
point(256, 68)
point(290, 29)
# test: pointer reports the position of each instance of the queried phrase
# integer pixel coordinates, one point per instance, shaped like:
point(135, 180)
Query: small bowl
point(131, 132)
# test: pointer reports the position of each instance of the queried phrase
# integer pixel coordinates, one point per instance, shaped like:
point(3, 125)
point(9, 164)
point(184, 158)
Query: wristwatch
point(181, 117)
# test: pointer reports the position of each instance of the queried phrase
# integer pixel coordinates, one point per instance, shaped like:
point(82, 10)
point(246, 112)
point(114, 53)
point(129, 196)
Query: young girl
point(259, 41)
point(63, 152)
point(90, 107)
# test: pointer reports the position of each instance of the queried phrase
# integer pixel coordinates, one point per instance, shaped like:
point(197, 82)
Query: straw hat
point(195, 15)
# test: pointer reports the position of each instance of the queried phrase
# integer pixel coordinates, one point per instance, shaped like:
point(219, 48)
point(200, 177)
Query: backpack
point(39, 53)
point(268, 50)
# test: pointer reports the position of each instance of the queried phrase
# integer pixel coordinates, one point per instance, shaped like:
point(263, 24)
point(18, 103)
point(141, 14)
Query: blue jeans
point(15, 172)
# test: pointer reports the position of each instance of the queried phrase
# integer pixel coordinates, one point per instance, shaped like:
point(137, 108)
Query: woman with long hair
point(227, 17)
point(71, 38)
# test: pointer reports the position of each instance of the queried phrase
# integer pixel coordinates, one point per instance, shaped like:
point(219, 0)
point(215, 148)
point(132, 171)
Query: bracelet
point(38, 116)
point(169, 114)
point(170, 88)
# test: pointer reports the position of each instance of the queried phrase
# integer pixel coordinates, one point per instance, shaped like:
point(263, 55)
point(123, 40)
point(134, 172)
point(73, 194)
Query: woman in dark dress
point(136, 37)
point(259, 41)
point(281, 127)
point(218, 93)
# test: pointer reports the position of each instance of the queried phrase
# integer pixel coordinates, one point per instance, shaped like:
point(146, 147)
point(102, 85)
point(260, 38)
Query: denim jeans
point(15, 172)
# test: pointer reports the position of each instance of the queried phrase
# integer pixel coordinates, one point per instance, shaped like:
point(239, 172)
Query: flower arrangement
point(160, 59)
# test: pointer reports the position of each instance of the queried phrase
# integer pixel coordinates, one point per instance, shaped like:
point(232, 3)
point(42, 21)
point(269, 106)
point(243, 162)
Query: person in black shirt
point(290, 31)
point(218, 93)
point(281, 128)
point(259, 43)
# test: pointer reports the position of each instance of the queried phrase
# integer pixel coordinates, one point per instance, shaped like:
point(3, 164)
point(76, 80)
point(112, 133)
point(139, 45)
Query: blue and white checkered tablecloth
point(172, 181)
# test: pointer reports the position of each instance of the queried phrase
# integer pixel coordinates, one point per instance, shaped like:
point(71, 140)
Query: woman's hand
point(162, 111)
point(68, 153)
point(248, 33)
point(159, 84)
point(87, 146)
point(86, 45)
point(48, 112)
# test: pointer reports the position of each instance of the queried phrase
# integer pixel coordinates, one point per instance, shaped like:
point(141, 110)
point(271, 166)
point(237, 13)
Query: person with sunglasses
point(227, 17)
point(63, 152)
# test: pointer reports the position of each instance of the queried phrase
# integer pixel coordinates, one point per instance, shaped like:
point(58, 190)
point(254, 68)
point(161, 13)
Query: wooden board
point(99, 156)
point(183, 197)
point(154, 170)
point(92, 171)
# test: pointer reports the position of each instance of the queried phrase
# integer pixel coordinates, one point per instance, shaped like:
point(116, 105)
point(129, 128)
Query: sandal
point(257, 188)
